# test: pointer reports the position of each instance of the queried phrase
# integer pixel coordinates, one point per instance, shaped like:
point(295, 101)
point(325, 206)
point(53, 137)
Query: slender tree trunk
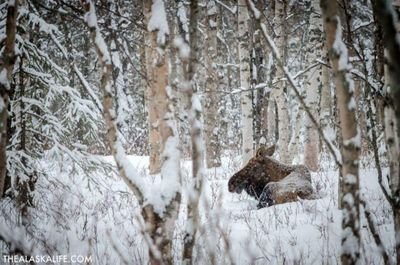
point(192, 78)
point(279, 93)
point(25, 181)
point(313, 83)
point(120, 101)
point(162, 109)
point(389, 25)
point(157, 78)
point(6, 70)
point(159, 224)
point(144, 83)
point(271, 115)
point(295, 143)
point(350, 133)
point(183, 99)
point(325, 97)
point(212, 123)
point(349, 11)
point(246, 97)
point(262, 93)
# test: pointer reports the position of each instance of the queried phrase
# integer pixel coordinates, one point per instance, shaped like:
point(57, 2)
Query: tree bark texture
point(389, 26)
point(350, 132)
point(213, 145)
point(246, 97)
point(313, 85)
point(279, 92)
point(7, 62)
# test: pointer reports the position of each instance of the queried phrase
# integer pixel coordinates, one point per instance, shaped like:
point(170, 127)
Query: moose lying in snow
point(270, 181)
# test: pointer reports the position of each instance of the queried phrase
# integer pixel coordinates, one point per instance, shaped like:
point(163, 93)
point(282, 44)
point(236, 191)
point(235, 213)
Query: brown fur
point(270, 181)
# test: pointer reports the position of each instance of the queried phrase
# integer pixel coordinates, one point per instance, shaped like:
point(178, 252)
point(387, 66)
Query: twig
point(230, 9)
point(306, 70)
point(374, 232)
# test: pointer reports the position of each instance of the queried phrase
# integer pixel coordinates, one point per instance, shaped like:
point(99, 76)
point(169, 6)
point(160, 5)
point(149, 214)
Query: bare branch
point(375, 234)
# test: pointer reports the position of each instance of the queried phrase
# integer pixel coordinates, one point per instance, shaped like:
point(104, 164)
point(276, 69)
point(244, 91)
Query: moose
point(270, 181)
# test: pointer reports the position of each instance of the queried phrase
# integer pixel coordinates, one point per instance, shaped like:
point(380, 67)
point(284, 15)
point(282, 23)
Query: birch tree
point(279, 91)
point(212, 122)
point(350, 150)
point(190, 84)
point(261, 72)
point(313, 83)
point(246, 97)
point(157, 75)
point(326, 101)
point(159, 209)
point(163, 223)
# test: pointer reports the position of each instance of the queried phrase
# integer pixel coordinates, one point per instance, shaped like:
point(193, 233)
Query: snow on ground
point(94, 214)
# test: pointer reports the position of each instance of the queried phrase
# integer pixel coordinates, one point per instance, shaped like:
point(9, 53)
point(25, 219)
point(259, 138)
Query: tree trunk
point(162, 118)
point(261, 74)
point(389, 25)
point(279, 92)
point(26, 179)
point(270, 113)
point(246, 97)
point(326, 101)
point(313, 83)
point(272, 128)
point(212, 123)
point(6, 70)
point(159, 224)
point(350, 133)
point(157, 80)
point(191, 79)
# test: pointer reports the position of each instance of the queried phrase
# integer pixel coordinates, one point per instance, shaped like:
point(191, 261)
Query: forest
point(199, 132)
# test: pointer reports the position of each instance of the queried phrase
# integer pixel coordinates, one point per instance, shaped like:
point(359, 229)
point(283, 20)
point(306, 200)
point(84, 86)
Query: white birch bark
point(192, 77)
point(326, 103)
point(326, 97)
point(350, 132)
point(212, 122)
point(161, 100)
point(390, 127)
point(313, 83)
point(272, 118)
point(246, 99)
point(278, 94)
point(118, 72)
point(157, 80)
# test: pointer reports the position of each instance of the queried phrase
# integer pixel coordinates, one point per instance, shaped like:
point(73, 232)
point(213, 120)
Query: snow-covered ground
point(94, 214)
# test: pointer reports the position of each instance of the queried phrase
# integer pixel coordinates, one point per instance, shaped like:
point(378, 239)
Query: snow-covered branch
point(127, 172)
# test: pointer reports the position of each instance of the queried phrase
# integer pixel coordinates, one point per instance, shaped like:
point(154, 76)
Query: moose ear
point(270, 150)
point(263, 151)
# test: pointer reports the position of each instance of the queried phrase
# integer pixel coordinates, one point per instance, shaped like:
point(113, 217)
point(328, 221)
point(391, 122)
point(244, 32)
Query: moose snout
point(231, 187)
point(231, 184)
